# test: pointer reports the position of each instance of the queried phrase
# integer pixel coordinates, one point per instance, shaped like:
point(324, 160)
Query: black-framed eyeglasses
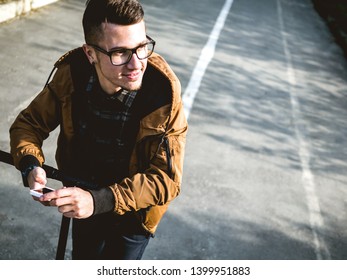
point(122, 56)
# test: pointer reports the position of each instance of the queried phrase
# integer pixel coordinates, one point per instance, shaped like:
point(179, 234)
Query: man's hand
point(37, 178)
point(72, 202)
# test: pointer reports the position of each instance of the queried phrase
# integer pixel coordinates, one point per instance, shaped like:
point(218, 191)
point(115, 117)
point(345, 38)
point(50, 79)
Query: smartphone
point(41, 192)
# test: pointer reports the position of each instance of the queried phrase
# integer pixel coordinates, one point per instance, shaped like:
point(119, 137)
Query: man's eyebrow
point(125, 48)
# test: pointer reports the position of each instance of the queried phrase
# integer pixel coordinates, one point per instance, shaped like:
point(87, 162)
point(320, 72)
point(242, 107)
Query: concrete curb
point(15, 9)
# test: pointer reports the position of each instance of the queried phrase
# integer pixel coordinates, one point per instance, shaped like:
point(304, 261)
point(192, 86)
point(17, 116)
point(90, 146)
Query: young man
point(122, 127)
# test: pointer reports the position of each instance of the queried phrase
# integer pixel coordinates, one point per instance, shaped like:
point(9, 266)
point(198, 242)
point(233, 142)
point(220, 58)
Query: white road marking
point(316, 220)
point(205, 58)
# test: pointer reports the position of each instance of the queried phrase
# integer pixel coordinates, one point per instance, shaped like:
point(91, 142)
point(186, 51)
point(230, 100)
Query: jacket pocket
point(154, 148)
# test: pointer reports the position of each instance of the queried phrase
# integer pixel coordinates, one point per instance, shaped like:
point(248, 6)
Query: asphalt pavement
point(265, 168)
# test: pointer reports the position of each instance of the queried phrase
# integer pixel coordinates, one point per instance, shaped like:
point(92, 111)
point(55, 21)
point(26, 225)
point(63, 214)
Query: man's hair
point(122, 12)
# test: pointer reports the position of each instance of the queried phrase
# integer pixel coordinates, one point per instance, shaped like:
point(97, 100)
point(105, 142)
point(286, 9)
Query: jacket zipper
point(168, 156)
point(141, 154)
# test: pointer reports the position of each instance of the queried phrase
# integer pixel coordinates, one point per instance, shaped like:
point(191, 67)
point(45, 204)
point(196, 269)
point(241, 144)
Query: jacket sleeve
point(160, 181)
point(32, 126)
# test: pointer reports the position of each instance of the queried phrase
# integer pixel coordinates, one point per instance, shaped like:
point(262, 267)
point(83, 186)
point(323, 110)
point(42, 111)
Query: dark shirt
point(107, 128)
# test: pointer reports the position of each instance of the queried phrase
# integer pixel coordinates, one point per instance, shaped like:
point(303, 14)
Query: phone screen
point(46, 190)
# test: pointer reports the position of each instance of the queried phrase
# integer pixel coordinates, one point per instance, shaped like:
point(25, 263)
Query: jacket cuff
point(28, 161)
point(27, 164)
point(104, 200)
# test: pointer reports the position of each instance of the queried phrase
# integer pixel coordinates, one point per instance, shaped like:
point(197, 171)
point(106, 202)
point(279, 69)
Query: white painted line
point(205, 58)
point(315, 216)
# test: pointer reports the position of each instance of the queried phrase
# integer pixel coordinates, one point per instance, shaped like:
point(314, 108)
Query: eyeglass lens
point(123, 56)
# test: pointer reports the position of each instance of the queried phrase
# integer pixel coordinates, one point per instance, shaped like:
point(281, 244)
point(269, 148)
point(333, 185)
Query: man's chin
point(133, 86)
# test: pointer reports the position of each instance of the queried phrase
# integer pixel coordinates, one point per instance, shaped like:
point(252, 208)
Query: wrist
point(26, 165)
point(26, 172)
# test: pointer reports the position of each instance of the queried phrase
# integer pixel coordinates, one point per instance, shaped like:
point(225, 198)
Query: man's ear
point(90, 53)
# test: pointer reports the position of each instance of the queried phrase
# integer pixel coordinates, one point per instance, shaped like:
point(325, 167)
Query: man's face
point(128, 76)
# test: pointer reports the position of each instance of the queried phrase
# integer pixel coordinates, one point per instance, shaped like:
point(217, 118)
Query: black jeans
point(108, 237)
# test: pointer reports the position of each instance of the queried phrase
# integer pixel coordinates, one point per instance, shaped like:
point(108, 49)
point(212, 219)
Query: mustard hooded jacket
point(156, 163)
